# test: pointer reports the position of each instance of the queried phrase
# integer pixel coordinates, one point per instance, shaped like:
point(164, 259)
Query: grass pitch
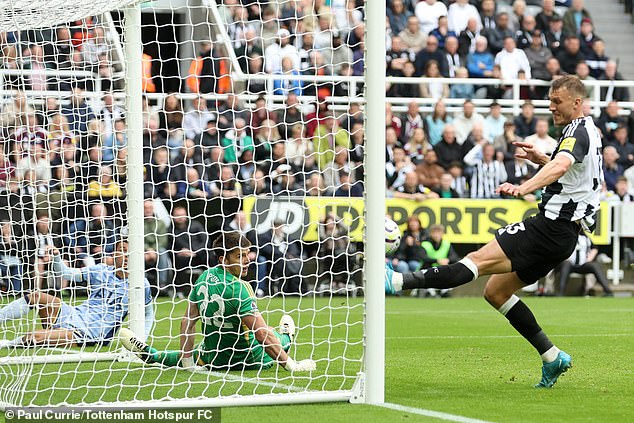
point(456, 356)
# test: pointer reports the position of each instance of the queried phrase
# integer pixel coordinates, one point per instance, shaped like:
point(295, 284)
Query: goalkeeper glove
point(306, 365)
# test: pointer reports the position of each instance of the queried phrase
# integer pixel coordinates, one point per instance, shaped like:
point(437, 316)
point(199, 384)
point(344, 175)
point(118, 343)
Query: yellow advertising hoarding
point(467, 221)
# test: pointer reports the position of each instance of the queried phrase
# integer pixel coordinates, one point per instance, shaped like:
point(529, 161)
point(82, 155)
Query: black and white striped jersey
point(575, 196)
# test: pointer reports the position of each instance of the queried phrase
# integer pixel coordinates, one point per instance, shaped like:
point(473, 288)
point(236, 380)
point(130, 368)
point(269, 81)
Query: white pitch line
point(431, 413)
point(577, 335)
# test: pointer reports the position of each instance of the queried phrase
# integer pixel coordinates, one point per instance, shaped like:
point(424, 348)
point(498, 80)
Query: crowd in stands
point(63, 166)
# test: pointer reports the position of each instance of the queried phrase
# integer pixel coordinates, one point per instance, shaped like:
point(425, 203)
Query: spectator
point(587, 37)
point(597, 60)
point(512, 60)
point(430, 52)
point(339, 55)
point(10, 264)
point(281, 48)
point(397, 167)
point(35, 160)
point(448, 149)
point(582, 261)
point(171, 117)
point(480, 62)
point(105, 187)
point(429, 171)
point(332, 170)
point(462, 90)
point(488, 173)
point(336, 253)
point(516, 18)
point(538, 55)
point(464, 121)
point(412, 120)
point(445, 189)
point(459, 14)
point(433, 89)
point(609, 121)
point(208, 73)
point(452, 57)
point(286, 86)
point(409, 256)
point(573, 18)
point(571, 55)
point(236, 141)
point(526, 121)
point(210, 136)
point(442, 32)
point(417, 145)
point(300, 150)
point(78, 113)
point(428, 12)
point(347, 188)
point(436, 122)
point(412, 37)
point(612, 93)
point(468, 37)
point(540, 139)
point(438, 252)
point(283, 181)
point(327, 137)
point(611, 168)
point(494, 122)
point(402, 90)
point(195, 120)
point(583, 72)
point(518, 170)
point(497, 35)
point(397, 57)
point(161, 175)
point(623, 146)
point(289, 116)
point(109, 114)
point(398, 16)
point(487, 14)
point(545, 16)
point(555, 35)
point(459, 183)
point(553, 69)
point(412, 189)
point(525, 35)
point(92, 240)
point(190, 246)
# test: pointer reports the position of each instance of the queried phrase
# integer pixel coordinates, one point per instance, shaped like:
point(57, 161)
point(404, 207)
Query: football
point(392, 236)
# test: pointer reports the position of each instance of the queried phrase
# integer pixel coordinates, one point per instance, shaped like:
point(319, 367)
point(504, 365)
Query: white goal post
point(34, 377)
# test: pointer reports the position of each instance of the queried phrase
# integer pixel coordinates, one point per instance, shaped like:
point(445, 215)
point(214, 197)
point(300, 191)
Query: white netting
point(277, 156)
point(20, 15)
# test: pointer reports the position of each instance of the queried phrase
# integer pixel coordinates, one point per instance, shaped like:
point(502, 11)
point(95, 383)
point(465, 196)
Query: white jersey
point(575, 196)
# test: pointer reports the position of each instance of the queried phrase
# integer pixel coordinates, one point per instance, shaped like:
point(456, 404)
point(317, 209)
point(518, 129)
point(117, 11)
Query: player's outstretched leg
point(441, 277)
point(499, 292)
point(146, 352)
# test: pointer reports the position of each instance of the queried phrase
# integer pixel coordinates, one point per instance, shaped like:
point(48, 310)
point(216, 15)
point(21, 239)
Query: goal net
point(252, 123)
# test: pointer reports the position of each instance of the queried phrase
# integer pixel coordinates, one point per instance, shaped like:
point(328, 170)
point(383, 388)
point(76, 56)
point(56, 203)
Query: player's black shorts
point(537, 245)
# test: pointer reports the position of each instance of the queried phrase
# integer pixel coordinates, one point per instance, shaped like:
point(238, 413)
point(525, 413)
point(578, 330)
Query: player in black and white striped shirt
point(523, 252)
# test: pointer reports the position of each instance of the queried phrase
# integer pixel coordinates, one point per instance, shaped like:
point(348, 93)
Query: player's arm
point(188, 334)
point(266, 337)
point(551, 172)
point(67, 273)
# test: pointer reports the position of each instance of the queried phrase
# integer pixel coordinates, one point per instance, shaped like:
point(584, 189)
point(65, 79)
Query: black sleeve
point(577, 145)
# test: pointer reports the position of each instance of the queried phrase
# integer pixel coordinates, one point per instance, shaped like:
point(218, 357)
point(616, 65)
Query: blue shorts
point(69, 318)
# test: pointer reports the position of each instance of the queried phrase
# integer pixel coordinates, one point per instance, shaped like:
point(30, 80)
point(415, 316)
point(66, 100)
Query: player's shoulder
point(579, 129)
point(100, 270)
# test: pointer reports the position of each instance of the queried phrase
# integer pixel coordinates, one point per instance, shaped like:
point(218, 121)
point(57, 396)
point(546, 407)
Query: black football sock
point(442, 277)
point(523, 320)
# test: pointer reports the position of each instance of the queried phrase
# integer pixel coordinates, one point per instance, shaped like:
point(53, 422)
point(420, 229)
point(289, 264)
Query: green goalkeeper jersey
point(222, 300)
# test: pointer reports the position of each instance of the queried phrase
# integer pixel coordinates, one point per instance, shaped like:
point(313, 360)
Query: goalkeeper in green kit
point(236, 337)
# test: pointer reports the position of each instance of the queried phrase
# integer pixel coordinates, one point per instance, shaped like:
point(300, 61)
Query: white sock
point(9, 343)
point(397, 281)
point(550, 355)
point(14, 310)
